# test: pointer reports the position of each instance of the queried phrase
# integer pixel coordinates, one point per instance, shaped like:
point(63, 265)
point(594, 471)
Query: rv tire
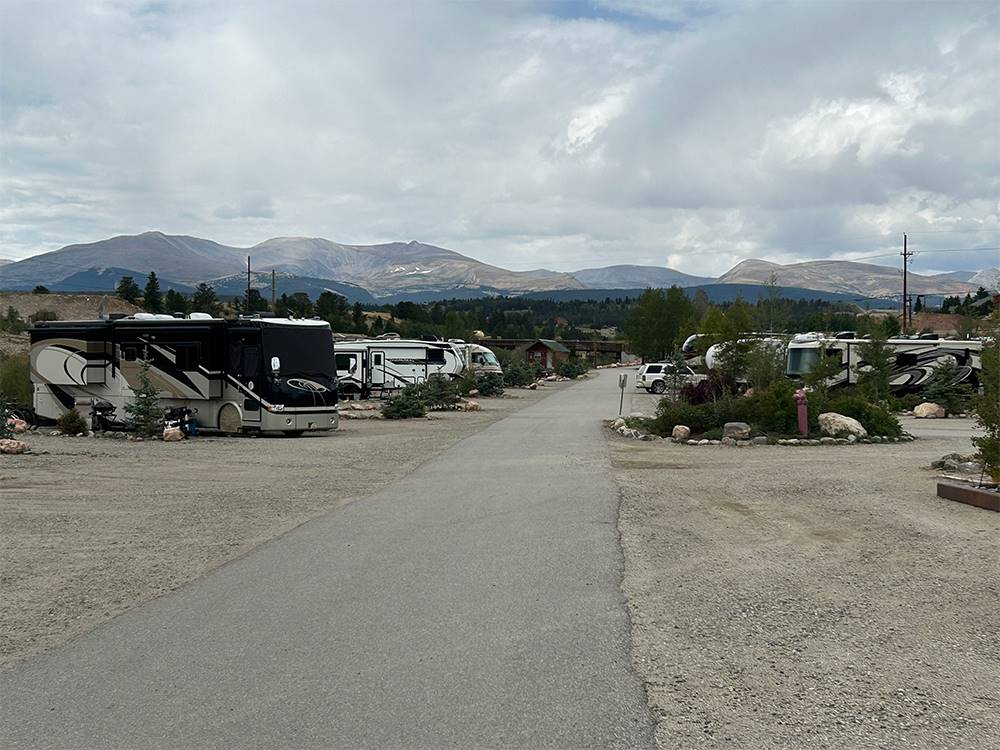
point(293, 433)
point(230, 420)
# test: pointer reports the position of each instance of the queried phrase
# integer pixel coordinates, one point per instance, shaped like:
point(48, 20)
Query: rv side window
point(188, 356)
point(906, 360)
point(345, 362)
point(251, 360)
point(435, 356)
point(377, 359)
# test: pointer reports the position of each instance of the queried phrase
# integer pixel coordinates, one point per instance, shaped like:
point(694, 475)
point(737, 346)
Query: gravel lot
point(811, 597)
point(98, 526)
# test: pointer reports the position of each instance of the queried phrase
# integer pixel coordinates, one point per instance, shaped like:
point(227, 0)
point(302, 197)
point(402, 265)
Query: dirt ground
point(811, 597)
point(98, 526)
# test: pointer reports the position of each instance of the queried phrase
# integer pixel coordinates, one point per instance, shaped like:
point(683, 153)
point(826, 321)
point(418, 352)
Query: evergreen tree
point(40, 290)
point(254, 302)
point(358, 317)
point(175, 302)
point(205, 300)
point(145, 415)
point(152, 298)
point(987, 403)
point(875, 369)
point(945, 388)
point(128, 290)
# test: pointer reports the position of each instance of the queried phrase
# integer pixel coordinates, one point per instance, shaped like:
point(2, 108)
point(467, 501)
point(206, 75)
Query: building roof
point(550, 344)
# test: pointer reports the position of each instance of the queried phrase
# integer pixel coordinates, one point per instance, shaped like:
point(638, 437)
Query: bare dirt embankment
point(811, 597)
point(98, 526)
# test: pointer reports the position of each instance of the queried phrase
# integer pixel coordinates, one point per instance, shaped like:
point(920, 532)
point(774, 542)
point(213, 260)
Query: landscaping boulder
point(617, 423)
point(469, 406)
point(17, 426)
point(728, 441)
point(736, 430)
point(172, 434)
point(681, 432)
point(927, 410)
point(761, 440)
point(837, 425)
point(12, 447)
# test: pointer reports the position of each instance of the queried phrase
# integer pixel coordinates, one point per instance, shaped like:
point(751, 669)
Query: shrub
point(906, 401)
point(15, 379)
point(41, 315)
point(438, 392)
point(71, 423)
point(699, 417)
point(518, 374)
point(987, 404)
point(772, 409)
point(490, 384)
point(714, 387)
point(874, 417)
point(6, 430)
point(572, 368)
point(407, 404)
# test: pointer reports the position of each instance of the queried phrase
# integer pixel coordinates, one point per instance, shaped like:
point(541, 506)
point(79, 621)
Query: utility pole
point(906, 299)
point(248, 281)
point(272, 291)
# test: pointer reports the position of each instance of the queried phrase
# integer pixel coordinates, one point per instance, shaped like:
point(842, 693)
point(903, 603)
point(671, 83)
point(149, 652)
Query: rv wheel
point(229, 419)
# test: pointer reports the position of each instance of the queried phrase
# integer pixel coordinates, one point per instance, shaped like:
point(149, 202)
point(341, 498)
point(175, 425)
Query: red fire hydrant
point(802, 401)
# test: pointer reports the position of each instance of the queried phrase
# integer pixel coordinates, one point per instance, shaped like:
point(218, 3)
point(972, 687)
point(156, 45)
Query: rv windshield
point(801, 361)
point(302, 350)
point(485, 358)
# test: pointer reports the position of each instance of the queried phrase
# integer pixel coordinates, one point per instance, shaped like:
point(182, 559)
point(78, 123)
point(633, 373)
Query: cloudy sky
point(526, 134)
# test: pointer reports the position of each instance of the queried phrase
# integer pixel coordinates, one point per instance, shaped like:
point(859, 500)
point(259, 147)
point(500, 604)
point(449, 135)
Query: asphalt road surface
point(476, 603)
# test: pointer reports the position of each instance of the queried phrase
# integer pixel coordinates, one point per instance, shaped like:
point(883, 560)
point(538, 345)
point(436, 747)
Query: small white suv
point(655, 376)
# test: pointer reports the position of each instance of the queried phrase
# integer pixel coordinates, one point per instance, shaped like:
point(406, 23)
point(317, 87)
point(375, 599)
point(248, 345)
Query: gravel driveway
point(98, 526)
point(811, 597)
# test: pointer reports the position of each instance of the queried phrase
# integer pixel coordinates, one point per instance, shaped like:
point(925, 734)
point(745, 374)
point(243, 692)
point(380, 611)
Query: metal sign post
point(622, 382)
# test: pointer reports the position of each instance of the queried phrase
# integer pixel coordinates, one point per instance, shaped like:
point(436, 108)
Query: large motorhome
point(375, 367)
point(244, 375)
point(913, 365)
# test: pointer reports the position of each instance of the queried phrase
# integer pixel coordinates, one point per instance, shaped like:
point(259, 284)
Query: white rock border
point(618, 425)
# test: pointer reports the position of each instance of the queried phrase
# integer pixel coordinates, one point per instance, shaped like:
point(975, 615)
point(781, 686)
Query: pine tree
point(145, 415)
point(128, 290)
point(946, 390)
point(876, 369)
point(987, 403)
point(175, 302)
point(6, 412)
point(205, 300)
point(152, 298)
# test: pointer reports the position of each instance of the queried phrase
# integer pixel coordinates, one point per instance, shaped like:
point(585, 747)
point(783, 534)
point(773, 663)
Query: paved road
point(474, 604)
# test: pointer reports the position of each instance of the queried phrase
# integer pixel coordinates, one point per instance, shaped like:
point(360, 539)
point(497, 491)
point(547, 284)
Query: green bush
point(874, 417)
point(572, 368)
point(438, 392)
point(15, 379)
point(987, 403)
point(6, 430)
point(518, 374)
point(407, 404)
point(906, 401)
point(71, 423)
point(490, 384)
point(38, 317)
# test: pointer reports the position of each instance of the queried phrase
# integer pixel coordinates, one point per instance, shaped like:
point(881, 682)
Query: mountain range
point(417, 271)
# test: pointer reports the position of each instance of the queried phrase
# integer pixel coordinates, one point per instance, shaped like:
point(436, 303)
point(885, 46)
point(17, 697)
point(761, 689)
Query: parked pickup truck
point(656, 376)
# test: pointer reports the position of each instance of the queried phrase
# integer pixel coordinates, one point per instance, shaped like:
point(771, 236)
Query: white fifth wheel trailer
point(376, 367)
point(914, 362)
point(245, 375)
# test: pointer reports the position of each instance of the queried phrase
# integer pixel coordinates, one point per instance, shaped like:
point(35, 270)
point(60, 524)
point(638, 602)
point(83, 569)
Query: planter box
point(988, 499)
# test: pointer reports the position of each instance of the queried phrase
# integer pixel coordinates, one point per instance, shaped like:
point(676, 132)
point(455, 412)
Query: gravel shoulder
point(99, 526)
point(811, 597)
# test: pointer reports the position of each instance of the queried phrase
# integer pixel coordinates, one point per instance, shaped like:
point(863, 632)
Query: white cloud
point(528, 134)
